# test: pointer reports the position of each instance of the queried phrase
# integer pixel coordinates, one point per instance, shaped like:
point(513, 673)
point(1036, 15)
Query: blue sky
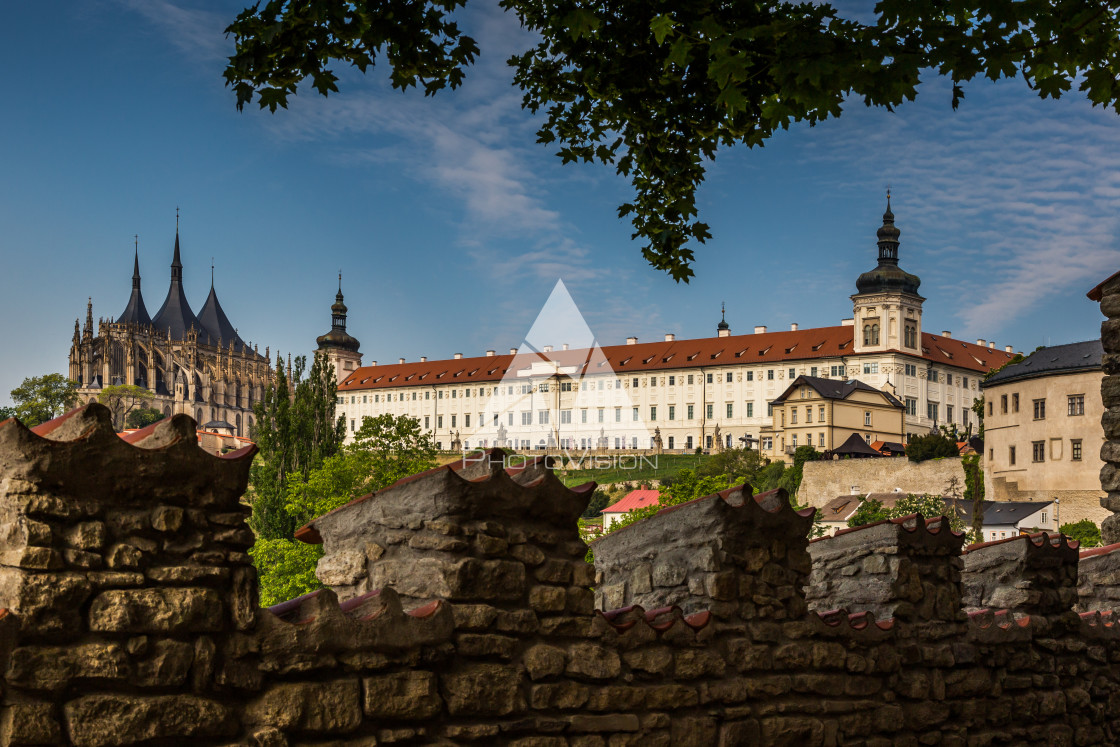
point(451, 225)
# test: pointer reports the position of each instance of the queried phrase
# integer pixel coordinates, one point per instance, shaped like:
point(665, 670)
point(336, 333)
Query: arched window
point(874, 334)
point(867, 334)
point(198, 416)
point(239, 424)
point(871, 334)
point(911, 336)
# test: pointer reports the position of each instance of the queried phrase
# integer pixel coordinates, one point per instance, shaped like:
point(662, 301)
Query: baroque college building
point(681, 394)
point(197, 365)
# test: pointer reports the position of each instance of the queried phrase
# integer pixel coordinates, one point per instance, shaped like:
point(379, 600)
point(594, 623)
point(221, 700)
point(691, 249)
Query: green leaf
point(661, 27)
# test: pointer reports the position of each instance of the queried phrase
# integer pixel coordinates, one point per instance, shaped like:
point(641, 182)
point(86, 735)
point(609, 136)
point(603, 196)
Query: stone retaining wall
point(131, 619)
point(824, 480)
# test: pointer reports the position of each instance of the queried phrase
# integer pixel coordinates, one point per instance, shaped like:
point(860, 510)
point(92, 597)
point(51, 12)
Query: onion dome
point(888, 276)
point(723, 325)
point(337, 338)
point(135, 312)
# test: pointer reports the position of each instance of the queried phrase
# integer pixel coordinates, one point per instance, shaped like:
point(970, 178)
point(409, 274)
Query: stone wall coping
point(1038, 539)
point(910, 523)
point(1097, 551)
point(659, 620)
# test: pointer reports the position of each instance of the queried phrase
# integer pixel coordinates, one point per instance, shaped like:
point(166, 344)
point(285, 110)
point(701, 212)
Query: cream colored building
point(1042, 430)
point(824, 413)
point(691, 392)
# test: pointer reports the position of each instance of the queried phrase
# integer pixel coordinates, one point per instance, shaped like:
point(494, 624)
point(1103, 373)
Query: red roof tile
point(634, 499)
point(769, 347)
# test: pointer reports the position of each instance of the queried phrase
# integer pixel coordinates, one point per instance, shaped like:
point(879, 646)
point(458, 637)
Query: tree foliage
point(655, 90)
point(295, 430)
point(285, 569)
point(1084, 531)
point(123, 399)
point(871, 510)
point(143, 417)
point(42, 398)
point(931, 446)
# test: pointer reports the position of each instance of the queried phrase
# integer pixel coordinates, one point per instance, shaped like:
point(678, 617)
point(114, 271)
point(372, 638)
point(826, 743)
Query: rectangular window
point(793, 440)
point(750, 409)
point(509, 418)
point(672, 412)
point(635, 418)
point(769, 410)
point(653, 412)
point(769, 374)
point(526, 417)
point(709, 378)
point(911, 406)
point(767, 443)
point(867, 417)
point(1038, 451)
point(809, 414)
point(911, 369)
point(948, 413)
point(1015, 402)
point(439, 394)
point(565, 386)
point(820, 414)
point(750, 375)
point(427, 422)
point(653, 381)
point(672, 381)
point(931, 411)
point(688, 442)
point(792, 374)
point(934, 377)
point(542, 417)
point(602, 415)
point(793, 416)
point(543, 387)
point(1077, 404)
point(565, 417)
point(689, 411)
point(452, 421)
point(949, 379)
point(813, 371)
point(618, 414)
point(467, 420)
point(439, 421)
point(708, 411)
point(351, 425)
point(583, 416)
point(820, 440)
point(454, 393)
point(870, 368)
point(836, 371)
point(690, 379)
point(1039, 409)
point(634, 383)
point(601, 383)
point(1075, 449)
point(964, 382)
point(730, 410)
point(1011, 455)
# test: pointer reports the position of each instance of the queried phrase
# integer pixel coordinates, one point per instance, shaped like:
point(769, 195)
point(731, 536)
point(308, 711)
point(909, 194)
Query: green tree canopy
point(143, 417)
point(1084, 531)
point(123, 399)
point(931, 446)
point(654, 90)
point(42, 398)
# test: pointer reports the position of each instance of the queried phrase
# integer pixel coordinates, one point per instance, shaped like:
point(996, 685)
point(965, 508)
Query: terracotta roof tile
point(634, 499)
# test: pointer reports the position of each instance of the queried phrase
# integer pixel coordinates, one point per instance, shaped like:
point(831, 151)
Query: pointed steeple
point(337, 337)
point(175, 316)
point(135, 312)
point(887, 275)
point(215, 324)
point(888, 236)
point(723, 325)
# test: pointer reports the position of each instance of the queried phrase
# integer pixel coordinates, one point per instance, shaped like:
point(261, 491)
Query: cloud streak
point(199, 33)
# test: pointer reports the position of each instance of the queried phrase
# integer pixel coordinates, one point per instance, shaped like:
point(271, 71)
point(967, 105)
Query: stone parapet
point(1031, 574)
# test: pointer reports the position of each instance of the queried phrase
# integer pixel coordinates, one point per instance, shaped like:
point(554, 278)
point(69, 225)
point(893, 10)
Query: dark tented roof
point(175, 316)
point(216, 325)
point(1057, 359)
point(855, 445)
point(135, 312)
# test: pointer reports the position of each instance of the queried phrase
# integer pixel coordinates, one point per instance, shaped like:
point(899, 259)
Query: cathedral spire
point(135, 312)
point(136, 262)
point(723, 329)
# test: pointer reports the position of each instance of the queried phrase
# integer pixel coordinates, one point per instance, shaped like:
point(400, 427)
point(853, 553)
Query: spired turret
point(888, 277)
point(135, 312)
point(175, 317)
point(340, 349)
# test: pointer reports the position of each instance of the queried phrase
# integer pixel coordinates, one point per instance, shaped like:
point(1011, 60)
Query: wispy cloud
point(196, 32)
point(1016, 202)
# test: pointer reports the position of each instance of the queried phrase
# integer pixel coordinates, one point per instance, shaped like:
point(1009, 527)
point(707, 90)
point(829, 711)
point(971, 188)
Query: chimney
point(854, 490)
point(458, 357)
point(848, 322)
point(423, 359)
point(547, 348)
point(946, 333)
point(992, 344)
point(980, 342)
point(760, 329)
point(793, 327)
point(373, 363)
point(513, 351)
point(489, 353)
point(670, 337)
point(401, 360)
point(631, 340)
point(564, 346)
point(1007, 348)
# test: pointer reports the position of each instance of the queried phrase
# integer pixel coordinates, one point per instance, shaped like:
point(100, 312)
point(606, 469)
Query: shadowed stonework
point(462, 613)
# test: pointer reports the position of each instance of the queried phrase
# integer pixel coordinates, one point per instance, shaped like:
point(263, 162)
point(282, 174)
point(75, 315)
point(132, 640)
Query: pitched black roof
point(1000, 512)
point(175, 316)
point(216, 325)
point(1057, 359)
point(856, 446)
point(835, 388)
point(135, 312)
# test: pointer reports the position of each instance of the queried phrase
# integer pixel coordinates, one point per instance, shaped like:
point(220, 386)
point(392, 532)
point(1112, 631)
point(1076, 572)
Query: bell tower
point(340, 349)
point(886, 307)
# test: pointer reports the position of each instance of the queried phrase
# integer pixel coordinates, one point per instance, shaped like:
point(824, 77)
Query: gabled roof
point(634, 499)
point(893, 446)
point(1056, 359)
point(835, 389)
point(653, 357)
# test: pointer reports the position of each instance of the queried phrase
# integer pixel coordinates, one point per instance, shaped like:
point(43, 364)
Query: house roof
point(856, 445)
point(894, 446)
point(1056, 359)
point(216, 325)
point(996, 513)
point(1098, 290)
point(634, 499)
point(768, 347)
point(835, 389)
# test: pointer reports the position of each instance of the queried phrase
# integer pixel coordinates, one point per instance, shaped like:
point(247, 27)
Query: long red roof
point(767, 347)
point(634, 499)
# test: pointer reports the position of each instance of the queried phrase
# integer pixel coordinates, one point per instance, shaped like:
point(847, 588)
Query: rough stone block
point(482, 690)
point(403, 695)
point(668, 573)
point(343, 568)
point(53, 667)
point(29, 724)
point(89, 535)
point(613, 722)
point(543, 661)
point(547, 598)
point(332, 707)
point(167, 518)
point(111, 720)
point(592, 661)
point(168, 610)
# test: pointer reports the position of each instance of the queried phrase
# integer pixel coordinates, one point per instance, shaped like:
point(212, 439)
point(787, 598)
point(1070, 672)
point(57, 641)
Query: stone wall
point(131, 619)
point(824, 480)
point(1108, 293)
